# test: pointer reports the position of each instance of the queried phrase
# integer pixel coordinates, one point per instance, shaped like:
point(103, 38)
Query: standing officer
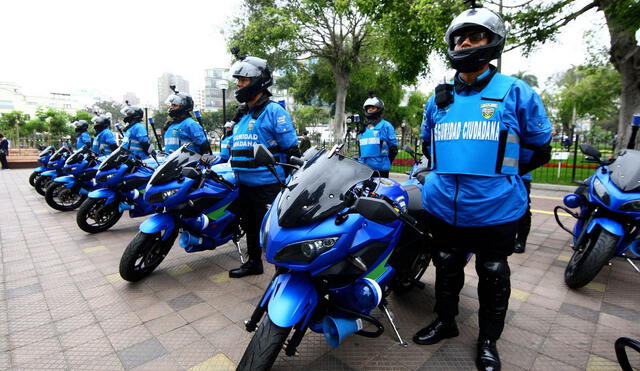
point(182, 128)
point(473, 129)
point(265, 122)
point(225, 152)
point(136, 137)
point(104, 142)
point(4, 152)
point(81, 130)
point(377, 139)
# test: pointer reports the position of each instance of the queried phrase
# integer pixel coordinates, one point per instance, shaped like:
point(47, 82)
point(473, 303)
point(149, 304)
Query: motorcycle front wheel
point(143, 254)
point(589, 258)
point(263, 349)
point(94, 216)
point(61, 198)
point(41, 184)
point(32, 178)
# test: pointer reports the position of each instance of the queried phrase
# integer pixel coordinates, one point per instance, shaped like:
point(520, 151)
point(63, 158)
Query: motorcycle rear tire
point(586, 263)
point(32, 178)
point(136, 263)
point(52, 197)
point(88, 207)
point(263, 349)
point(41, 184)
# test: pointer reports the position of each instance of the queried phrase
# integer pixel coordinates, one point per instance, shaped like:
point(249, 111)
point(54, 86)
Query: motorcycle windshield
point(114, 159)
point(47, 151)
point(625, 172)
point(172, 167)
point(76, 157)
point(317, 190)
point(59, 154)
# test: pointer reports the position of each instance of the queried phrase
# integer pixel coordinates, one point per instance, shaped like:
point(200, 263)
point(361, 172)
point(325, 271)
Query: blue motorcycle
point(608, 223)
point(120, 183)
point(68, 192)
point(54, 169)
point(340, 243)
point(43, 159)
point(192, 197)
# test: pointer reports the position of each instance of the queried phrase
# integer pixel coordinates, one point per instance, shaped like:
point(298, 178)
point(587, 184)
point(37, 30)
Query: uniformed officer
point(182, 128)
point(83, 136)
point(267, 123)
point(377, 139)
point(474, 129)
point(136, 137)
point(104, 142)
point(225, 152)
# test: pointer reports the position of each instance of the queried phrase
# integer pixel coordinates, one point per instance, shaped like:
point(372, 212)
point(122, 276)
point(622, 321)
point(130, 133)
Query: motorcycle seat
point(415, 199)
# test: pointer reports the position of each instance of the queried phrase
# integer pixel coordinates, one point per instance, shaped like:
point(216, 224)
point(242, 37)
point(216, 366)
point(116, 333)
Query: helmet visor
point(176, 99)
point(244, 69)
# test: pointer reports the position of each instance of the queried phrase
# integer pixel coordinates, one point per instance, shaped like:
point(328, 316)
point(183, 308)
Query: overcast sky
point(125, 45)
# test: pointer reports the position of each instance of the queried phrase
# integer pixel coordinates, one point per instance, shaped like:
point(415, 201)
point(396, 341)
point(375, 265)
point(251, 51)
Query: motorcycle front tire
point(89, 207)
point(587, 261)
point(52, 196)
point(263, 349)
point(143, 254)
point(32, 178)
point(41, 184)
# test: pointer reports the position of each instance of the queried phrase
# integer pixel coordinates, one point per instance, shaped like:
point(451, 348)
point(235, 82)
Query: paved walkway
point(64, 306)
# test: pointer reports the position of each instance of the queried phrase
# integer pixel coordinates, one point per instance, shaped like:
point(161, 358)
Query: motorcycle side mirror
point(590, 150)
point(409, 150)
point(297, 161)
point(262, 156)
point(190, 172)
point(376, 210)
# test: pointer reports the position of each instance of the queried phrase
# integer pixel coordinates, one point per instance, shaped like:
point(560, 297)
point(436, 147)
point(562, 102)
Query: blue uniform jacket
point(374, 145)
point(474, 200)
point(134, 136)
point(83, 139)
point(274, 129)
point(103, 142)
point(185, 131)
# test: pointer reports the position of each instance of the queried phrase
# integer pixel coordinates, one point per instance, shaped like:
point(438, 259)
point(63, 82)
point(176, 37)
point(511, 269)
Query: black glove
point(393, 152)
point(426, 151)
point(541, 155)
point(113, 146)
point(293, 151)
point(204, 148)
point(208, 159)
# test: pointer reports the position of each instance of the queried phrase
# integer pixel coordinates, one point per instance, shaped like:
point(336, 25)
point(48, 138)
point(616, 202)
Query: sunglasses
point(473, 36)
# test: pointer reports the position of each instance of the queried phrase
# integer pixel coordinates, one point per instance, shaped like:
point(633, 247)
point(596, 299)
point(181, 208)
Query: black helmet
point(373, 101)
point(132, 114)
point(81, 126)
point(101, 122)
point(258, 70)
point(181, 99)
point(471, 59)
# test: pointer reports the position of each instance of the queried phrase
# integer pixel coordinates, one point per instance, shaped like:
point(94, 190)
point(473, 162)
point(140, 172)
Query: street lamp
point(224, 85)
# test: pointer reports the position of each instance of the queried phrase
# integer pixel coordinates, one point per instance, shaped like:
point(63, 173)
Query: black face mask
point(173, 113)
point(248, 92)
point(80, 130)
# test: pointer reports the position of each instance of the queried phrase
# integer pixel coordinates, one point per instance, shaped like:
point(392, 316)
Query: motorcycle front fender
point(50, 173)
point(67, 180)
point(607, 224)
point(293, 298)
point(106, 193)
point(158, 223)
point(40, 169)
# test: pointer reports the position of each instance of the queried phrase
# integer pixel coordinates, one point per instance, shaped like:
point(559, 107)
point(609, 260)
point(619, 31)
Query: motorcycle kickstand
point(242, 260)
point(631, 262)
point(395, 329)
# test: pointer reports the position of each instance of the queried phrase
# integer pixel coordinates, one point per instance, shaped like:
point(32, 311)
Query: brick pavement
point(64, 306)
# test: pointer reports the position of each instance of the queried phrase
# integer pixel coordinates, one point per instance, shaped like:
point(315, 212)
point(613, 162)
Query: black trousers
point(251, 206)
point(491, 245)
point(524, 224)
point(3, 161)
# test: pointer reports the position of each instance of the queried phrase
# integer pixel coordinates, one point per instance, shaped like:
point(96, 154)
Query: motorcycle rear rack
point(570, 212)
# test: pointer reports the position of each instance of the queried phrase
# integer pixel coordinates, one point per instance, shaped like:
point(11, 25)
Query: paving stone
point(579, 312)
point(141, 353)
point(184, 301)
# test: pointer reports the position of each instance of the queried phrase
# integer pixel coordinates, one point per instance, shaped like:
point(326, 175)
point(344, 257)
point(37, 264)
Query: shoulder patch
point(282, 119)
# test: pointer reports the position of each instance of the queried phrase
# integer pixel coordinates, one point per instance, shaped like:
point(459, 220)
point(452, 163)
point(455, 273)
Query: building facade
point(165, 81)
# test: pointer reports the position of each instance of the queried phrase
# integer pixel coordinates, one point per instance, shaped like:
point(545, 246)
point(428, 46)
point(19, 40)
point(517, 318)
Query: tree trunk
point(342, 84)
point(625, 56)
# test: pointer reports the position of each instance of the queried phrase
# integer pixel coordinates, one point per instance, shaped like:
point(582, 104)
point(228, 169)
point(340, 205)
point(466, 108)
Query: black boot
point(436, 331)
point(488, 358)
point(249, 268)
point(519, 248)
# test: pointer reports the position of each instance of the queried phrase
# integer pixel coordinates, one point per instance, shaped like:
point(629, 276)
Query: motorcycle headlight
point(105, 178)
point(631, 206)
point(304, 252)
point(169, 193)
point(601, 191)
